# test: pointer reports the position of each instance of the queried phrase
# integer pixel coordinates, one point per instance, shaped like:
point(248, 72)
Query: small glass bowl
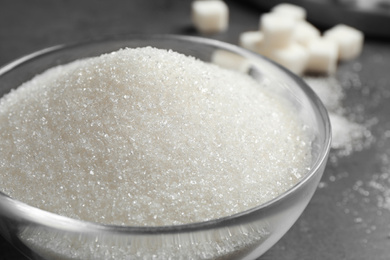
point(246, 235)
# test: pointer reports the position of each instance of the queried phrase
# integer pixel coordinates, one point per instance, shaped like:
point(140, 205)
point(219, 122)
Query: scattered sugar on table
point(348, 136)
point(148, 137)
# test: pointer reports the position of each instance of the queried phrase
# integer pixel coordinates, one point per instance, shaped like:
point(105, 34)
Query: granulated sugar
point(147, 137)
point(347, 136)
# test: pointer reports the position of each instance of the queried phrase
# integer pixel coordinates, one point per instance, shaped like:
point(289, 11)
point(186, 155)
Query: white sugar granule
point(347, 136)
point(147, 137)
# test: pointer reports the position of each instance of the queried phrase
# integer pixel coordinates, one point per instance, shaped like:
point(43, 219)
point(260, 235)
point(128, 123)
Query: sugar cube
point(305, 32)
point(348, 39)
point(210, 16)
point(322, 56)
point(230, 60)
point(251, 40)
point(294, 11)
point(277, 29)
point(294, 57)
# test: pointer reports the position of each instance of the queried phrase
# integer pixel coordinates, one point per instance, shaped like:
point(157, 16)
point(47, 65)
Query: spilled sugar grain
point(347, 136)
point(147, 137)
point(369, 196)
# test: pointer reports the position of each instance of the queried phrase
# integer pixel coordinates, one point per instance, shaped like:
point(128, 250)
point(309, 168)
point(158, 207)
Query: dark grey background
point(344, 220)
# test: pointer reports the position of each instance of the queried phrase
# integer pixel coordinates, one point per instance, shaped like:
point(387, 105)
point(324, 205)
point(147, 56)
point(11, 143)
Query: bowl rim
point(50, 219)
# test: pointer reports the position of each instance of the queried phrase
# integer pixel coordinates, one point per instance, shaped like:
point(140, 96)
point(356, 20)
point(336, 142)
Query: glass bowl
point(246, 235)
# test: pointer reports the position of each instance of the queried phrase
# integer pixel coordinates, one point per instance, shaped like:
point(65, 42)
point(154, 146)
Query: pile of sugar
point(147, 137)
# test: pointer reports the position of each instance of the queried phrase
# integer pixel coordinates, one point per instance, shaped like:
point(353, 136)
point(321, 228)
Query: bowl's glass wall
point(42, 235)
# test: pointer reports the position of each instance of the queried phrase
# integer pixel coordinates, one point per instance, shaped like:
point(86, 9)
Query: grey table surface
point(349, 216)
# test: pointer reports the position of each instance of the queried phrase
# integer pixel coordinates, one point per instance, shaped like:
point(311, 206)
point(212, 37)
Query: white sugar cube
point(210, 16)
point(322, 56)
point(294, 57)
point(305, 32)
point(230, 60)
point(277, 30)
point(348, 39)
point(294, 11)
point(251, 40)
